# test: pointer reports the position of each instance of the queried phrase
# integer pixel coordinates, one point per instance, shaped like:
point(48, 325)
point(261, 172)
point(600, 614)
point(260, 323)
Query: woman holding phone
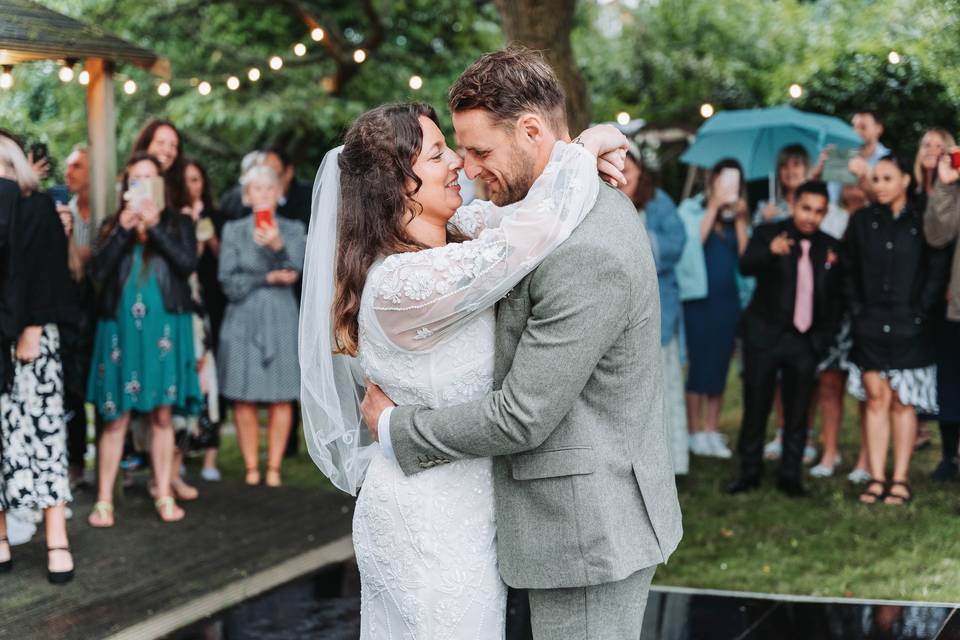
point(143, 350)
point(261, 258)
point(707, 273)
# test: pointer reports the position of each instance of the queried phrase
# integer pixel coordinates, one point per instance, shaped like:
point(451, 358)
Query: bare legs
point(55, 526)
point(279, 418)
point(697, 405)
point(245, 415)
point(830, 400)
point(883, 407)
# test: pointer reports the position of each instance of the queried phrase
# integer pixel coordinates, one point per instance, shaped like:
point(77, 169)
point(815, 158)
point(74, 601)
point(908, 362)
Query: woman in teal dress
point(143, 357)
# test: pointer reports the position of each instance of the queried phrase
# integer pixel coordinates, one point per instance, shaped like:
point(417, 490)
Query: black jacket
point(894, 279)
point(770, 313)
point(173, 257)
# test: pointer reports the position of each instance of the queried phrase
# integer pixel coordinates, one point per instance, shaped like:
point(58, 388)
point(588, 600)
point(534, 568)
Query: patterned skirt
point(33, 434)
point(914, 387)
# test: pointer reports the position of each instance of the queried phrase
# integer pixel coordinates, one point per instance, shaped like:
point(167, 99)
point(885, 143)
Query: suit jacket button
point(886, 328)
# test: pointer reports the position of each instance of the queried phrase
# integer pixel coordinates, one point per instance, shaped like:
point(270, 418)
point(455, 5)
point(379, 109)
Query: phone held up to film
point(955, 159)
point(263, 218)
point(151, 189)
point(728, 190)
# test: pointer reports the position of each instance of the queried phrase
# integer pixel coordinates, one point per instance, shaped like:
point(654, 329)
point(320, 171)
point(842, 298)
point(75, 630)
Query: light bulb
point(359, 56)
point(66, 73)
point(317, 34)
point(83, 77)
point(623, 118)
point(276, 63)
point(204, 88)
point(299, 49)
point(253, 74)
point(795, 91)
point(416, 83)
point(233, 83)
point(706, 110)
point(129, 87)
point(163, 89)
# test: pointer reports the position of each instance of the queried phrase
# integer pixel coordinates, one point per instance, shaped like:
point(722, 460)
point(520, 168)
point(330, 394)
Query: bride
point(401, 283)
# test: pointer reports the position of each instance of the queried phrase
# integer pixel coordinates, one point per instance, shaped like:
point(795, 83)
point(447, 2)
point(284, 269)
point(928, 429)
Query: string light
point(317, 34)
point(299, 49)
point(706, 110)
point(163, 89)
point(795, 91)
point(416, 83)
point(359, 56)
point(83, 77)
point(129, 87)
point(204, 88)
point(276, 63)
point(233, 83)
point(253, 74)
point(894, 57)
point(623, 118)
point(6, 78)
point(66, 73)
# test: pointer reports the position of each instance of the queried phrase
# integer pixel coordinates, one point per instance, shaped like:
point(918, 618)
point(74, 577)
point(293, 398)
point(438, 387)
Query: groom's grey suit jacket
point(584, 483)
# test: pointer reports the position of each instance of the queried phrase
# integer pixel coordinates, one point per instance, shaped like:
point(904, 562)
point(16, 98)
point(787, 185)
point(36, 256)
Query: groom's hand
point(374, 403)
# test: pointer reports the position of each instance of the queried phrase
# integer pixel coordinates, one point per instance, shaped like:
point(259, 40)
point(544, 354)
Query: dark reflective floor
point(317, 607)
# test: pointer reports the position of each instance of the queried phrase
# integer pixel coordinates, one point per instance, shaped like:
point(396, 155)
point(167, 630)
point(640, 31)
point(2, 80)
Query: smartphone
point(39, 151)
point(263, 218)
point(728, 185)
point(955, 159)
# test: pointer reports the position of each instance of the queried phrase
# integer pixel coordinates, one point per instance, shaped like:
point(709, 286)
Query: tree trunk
point(545, 25)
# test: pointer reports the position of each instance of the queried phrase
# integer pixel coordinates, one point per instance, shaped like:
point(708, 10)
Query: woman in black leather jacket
point(894, 281)
point(144, 357)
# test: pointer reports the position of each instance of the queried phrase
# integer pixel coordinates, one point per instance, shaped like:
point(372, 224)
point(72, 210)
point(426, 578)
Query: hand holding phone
point(948, 169)
point(263, 218)
point(728, 186)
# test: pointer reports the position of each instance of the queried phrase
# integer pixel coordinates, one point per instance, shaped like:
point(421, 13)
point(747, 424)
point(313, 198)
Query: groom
point(585, 495)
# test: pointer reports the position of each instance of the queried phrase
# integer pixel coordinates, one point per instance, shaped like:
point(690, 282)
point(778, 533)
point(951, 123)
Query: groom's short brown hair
point(508, 83)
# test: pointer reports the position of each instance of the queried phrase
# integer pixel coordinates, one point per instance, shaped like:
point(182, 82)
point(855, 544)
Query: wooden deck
point(144, 578)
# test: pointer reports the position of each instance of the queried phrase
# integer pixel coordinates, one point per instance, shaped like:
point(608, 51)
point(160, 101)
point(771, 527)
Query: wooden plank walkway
point(145, 576)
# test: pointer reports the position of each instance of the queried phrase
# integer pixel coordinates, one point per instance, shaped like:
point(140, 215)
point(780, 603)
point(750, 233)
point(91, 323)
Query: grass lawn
point(827, 545)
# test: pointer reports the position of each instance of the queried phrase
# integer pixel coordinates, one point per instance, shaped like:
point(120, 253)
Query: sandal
point(897, 499)
point(168, 510)
point(273, 477)
point(59, 577)
point(184, 491)
point(253, 477)
point(872, 497)
point(7, 565)
point(103, 511)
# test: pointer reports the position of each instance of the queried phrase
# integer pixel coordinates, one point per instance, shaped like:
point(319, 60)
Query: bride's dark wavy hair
point(376, 163)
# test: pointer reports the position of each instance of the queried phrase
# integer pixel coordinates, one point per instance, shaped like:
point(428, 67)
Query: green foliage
point(906, 96)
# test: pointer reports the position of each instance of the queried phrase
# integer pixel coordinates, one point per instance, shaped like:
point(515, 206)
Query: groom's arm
point(579, 306)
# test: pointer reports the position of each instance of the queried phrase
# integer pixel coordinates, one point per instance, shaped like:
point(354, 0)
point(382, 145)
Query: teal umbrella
point(754, 137)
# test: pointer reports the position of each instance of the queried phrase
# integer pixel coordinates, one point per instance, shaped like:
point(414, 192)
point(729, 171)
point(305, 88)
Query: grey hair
point(254, 172)
point(17, 167)
point(249, 161)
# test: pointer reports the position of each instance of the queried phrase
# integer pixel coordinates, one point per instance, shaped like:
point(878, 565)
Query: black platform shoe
point(59, 577)
point(7, 565)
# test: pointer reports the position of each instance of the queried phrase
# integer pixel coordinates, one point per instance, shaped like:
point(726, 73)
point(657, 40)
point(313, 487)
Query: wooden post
point(102, 140)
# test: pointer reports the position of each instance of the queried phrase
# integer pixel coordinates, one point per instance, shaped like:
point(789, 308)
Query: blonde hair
point(918, 166)
point(15, 162)
point(253, 173)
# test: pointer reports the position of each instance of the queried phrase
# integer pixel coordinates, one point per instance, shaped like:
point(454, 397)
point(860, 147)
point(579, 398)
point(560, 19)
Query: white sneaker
point(211, 474)
point(718, 445)
point(824, 471)
point(700, 444)
point(859, 476)
point(809, 453)
point(774, 449)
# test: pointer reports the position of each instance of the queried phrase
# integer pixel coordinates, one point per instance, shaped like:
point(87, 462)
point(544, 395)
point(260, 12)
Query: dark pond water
point(327, 605)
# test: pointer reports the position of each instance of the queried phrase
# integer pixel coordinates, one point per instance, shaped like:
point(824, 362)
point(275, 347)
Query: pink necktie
point(803, 304)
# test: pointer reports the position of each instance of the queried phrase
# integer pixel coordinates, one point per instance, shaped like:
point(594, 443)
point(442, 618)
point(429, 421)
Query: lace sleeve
point(419, 297)
point(473, 218)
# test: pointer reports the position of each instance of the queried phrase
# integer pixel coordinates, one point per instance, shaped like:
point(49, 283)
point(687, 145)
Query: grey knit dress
point(257, 360)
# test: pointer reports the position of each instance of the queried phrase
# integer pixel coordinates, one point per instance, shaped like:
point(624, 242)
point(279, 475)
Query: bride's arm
point(420, 296)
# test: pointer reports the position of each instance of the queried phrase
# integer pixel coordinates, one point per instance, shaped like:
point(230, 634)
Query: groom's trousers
point(611, 611)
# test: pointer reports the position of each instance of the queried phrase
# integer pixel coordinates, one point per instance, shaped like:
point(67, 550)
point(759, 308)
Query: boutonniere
point(831, 259)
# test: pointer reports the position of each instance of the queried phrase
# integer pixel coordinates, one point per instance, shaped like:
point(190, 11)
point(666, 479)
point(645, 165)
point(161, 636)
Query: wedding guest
point(162, 140)
point(261, 258)
point(832, 378)
point(941, 226)
point(231, 202)
point(794, 314)
point(76, 338)
point(716, 224)
point(894, 279)
point(933, 144)
point(143, 351)
point(212, 301)
point(793, 165)
point(33, 439)
point(869, 127)
point(667, 237)
point(295, 198)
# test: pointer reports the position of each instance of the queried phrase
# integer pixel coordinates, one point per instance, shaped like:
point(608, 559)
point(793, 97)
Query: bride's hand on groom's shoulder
point(375, 402)
point(610, 146)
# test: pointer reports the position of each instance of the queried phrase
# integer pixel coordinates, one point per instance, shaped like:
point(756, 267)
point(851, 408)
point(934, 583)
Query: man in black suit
point(794, 315)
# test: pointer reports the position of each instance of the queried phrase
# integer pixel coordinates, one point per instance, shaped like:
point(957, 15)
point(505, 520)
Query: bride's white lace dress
point(425, 544)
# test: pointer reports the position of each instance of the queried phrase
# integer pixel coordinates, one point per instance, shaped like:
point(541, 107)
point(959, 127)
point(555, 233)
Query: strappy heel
point(59, 577)
point(872, 497)
point(103, 511)
point(278, 482)
point(899, 500)
point(7, 565)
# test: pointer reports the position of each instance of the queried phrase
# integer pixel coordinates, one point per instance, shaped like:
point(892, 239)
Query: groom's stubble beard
point(518, 181)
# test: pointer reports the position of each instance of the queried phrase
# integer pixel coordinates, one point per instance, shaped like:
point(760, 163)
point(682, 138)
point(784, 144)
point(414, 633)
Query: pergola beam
point(102, 140)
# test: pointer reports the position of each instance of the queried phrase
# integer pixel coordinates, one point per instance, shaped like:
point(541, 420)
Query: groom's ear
point(533, 127)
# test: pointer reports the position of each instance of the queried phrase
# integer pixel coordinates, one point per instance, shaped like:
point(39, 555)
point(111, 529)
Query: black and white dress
point(33, 462)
